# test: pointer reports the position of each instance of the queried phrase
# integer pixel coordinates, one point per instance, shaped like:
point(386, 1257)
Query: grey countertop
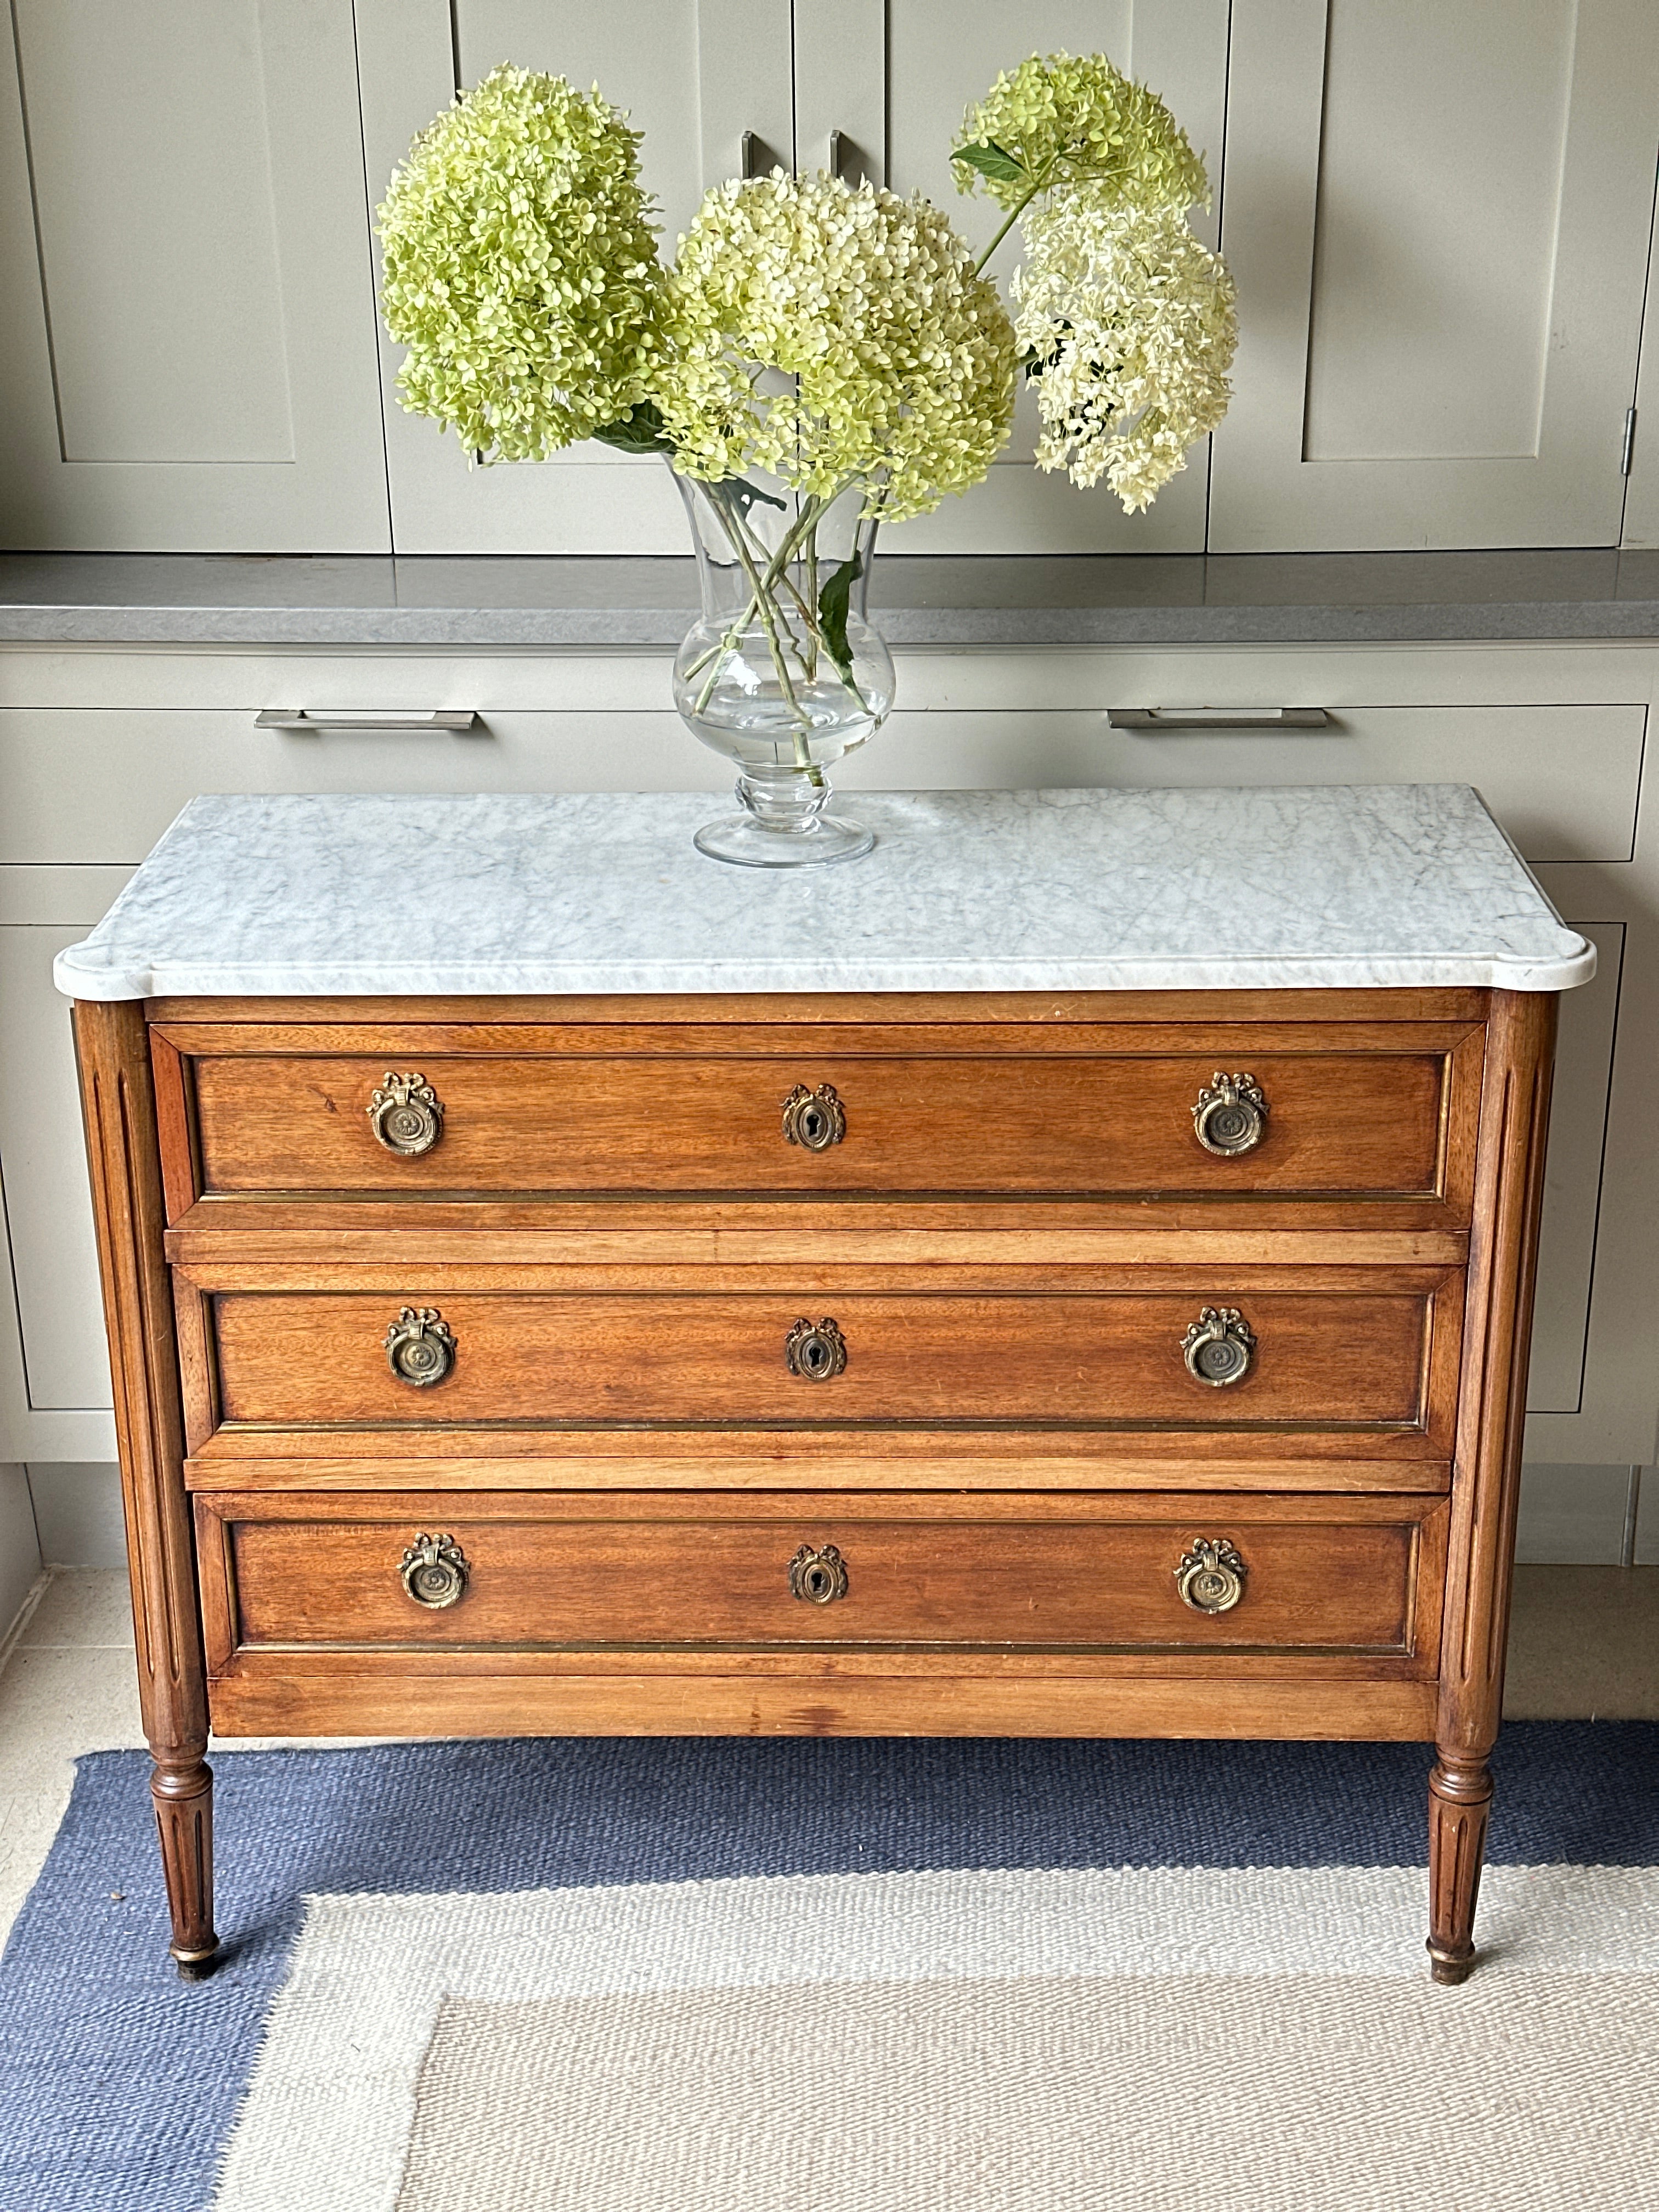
point(1373, 886)
point(603, 603)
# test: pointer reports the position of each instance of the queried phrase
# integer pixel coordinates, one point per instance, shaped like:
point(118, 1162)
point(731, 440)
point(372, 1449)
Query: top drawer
point(1369, 1112)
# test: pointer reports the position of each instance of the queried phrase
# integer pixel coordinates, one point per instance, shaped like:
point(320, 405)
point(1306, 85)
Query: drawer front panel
point(1357, 1357)
point(1358, 1123)
point(1311, 1574)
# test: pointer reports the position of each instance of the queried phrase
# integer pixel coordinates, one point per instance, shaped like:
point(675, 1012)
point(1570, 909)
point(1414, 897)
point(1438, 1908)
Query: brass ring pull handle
point(814, 1120)
point(1229, 1116)
point(435, 1572)
point(420, 1347)
point(1219, 1346)
point(1211, 1576)
point(816, 1351)
point(406, 1115)
point(819, 1578)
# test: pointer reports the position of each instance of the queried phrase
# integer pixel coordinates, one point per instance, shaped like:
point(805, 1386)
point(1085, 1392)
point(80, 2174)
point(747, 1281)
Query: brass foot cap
point(195, 1965)
point(1449, 1968)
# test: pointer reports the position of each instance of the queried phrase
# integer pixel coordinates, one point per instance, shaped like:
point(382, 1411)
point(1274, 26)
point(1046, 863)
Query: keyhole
point(817, 1354)
point(812, 1122)
point(817, 1583)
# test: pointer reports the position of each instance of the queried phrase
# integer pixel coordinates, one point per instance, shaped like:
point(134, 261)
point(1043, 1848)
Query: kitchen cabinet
point(1438, 219)
point(187, 353)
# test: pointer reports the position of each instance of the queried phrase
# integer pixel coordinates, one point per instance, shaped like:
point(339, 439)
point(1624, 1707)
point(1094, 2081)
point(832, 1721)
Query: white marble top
point(1047, 890)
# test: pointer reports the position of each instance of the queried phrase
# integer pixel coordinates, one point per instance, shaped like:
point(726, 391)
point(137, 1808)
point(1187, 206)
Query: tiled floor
point(1584, 1645)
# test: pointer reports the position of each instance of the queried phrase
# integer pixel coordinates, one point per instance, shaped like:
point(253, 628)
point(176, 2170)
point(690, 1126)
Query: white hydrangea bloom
point(1130, 319)
point(826, 333)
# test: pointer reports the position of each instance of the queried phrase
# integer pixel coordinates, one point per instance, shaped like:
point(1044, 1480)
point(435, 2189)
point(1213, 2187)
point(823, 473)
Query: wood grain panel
point(1364, 1124)
point(1356, 1358)
point(272, 1695)
point(1055, 1583)
point(958, 1467)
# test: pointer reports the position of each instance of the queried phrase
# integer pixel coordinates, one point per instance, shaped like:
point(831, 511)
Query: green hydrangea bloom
point(1064, 121)
point(825, 333)
point(522, 267)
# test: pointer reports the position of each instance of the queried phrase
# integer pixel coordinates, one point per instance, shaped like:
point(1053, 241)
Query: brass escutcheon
point(406, 1115)
point(1210, 1576)
point(434, 1571)
point(1219, 1346)
point(420, 1347)
point(816, 1351)
point(818, 1576)
point(814, 1119)
point(1229, 1116)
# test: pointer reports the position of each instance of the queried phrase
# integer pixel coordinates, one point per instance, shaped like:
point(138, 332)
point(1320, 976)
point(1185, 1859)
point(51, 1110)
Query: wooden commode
point(1068, 1274)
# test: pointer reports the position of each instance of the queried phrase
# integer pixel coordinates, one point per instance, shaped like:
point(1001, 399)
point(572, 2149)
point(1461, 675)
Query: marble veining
point(1380, 885)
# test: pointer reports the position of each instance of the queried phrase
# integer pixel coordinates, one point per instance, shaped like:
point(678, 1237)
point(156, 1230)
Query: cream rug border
point(333, 2098)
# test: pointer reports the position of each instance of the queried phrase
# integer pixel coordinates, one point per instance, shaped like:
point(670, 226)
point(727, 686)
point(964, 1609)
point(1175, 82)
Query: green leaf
point(640, 431)
point(992, 160)
point(747, 494)
point(834, 604)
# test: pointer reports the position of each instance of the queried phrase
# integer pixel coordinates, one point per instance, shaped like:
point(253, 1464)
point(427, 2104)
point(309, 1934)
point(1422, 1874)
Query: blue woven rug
point(680, 1974)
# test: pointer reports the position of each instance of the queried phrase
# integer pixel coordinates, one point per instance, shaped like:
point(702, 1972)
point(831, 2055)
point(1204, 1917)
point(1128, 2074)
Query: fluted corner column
point(117, 1098)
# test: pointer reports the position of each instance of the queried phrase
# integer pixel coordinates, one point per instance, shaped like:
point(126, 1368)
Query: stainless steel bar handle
point(837, 148)
point(309, 722)
point(1218, 718)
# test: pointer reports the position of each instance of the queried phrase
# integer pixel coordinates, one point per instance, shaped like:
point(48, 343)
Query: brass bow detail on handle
point(1210, 1576)
point(1229, 1116)
point(435, 1572)
point(420, 1347)
point(1219, 1346)
point(406, 1115)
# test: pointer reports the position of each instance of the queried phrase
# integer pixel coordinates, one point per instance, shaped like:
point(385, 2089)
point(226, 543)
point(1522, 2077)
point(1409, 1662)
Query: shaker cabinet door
point(1438, 218)
point(941, 56)
point(187, 351)
point(695, 75)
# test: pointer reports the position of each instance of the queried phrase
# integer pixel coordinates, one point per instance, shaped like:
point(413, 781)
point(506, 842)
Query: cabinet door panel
point(1438, 219)
point(43, 1157)
point(941, 56)
point(187, 361)
point(695, 74)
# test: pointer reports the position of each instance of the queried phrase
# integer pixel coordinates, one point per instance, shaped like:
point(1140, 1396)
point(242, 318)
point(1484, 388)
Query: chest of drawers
point(1080, 1361)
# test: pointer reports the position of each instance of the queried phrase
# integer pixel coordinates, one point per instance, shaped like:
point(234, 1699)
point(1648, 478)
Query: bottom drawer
point(455, 1573)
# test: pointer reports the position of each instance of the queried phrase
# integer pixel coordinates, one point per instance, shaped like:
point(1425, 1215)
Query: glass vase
point(782, 673)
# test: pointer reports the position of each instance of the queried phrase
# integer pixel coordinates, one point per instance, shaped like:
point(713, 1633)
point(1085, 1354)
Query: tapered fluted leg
point(1515, 1092)
point(118, 1098)
point(184, 1815)
point(1459, 1801)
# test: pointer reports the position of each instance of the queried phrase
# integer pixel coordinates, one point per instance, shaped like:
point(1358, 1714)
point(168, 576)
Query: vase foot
point(743, 842)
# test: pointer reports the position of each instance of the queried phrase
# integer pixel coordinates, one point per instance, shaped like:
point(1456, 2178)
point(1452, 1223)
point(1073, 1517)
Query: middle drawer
point(1264, 1349)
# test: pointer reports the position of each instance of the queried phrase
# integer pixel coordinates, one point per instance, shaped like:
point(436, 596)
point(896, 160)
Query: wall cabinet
point(1439, 218)
point(187, 353)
